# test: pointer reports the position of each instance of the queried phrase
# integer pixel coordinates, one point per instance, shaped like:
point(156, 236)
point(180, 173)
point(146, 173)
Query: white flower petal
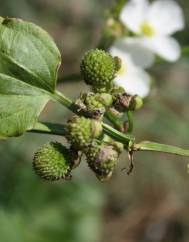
point(166, 47)
point(166, 17)
point(133, 14)
point(139, 54)
point(135, 82)
point(133, 79)
point(123, 55)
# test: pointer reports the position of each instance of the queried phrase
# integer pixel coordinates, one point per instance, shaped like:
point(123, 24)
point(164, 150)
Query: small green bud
point(80, 131)
point(102, 159)
point(94, 105)
point(137, 103)
point(105, 98)
point(53, 161)
point(98, 69)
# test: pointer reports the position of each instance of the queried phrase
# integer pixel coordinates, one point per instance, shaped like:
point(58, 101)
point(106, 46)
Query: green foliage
point(28, 72)
point(53, 208)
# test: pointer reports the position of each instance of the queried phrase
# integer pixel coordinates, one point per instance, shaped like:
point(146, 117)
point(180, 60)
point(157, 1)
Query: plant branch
point(48, 128)
point(157, 147)
point(130, 121)
point(124, 138)
point(58, 129)
point(116, 10)
point(115, 121)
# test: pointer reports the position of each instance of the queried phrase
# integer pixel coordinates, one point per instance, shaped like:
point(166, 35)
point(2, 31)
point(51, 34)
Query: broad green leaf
point(29, 61)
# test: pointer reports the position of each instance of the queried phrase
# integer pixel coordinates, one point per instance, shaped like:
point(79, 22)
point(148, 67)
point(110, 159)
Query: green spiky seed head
point(98, 100)
point(102, 159)
point(80, 131)
point(98, 69)
point(52, 162)
point(92, 102)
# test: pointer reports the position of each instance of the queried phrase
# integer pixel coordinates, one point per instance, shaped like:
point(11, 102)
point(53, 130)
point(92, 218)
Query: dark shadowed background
point(150, 205)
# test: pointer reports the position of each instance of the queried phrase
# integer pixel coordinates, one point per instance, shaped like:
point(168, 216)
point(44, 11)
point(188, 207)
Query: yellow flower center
point(122, 70)
point(146, 29)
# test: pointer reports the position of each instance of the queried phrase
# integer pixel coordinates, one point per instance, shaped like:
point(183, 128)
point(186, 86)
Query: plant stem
point(124, 138)
point(65, 101)
point(115, 121)
point(121, 137)
point(130, 121)
point(152, 146)
point(48, 128)
point(58, 129)
point(116, 10)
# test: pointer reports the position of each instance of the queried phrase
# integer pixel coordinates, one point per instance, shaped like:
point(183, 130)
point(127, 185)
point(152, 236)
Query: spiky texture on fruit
point(81, 131)
point(94, 104)
point(98, 100)
point(53, 161)
point(98, 69)
point(102, 159)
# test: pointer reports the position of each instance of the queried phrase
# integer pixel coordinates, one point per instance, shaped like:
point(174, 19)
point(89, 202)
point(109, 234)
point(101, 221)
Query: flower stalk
point(127, 139)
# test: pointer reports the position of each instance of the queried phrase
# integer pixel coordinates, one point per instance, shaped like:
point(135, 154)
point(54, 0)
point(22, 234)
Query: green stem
point(116, 10)
point(124, 138)
point(130, 121)
point(48, 128)
point(57, 129)
point(115, 121)
point(152, 146)
point(108, 35)
point(65, 101)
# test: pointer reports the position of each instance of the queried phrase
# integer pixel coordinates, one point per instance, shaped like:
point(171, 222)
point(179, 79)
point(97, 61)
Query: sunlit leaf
point(29, 61)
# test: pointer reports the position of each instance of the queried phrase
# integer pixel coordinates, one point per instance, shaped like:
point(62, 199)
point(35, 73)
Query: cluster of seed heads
point(84, 133)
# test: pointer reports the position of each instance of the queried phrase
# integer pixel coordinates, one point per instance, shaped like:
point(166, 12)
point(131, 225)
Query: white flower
point(154, 24)
point(133, 79)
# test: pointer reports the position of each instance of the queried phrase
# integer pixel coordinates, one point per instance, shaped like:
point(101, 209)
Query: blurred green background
point(150, 205)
